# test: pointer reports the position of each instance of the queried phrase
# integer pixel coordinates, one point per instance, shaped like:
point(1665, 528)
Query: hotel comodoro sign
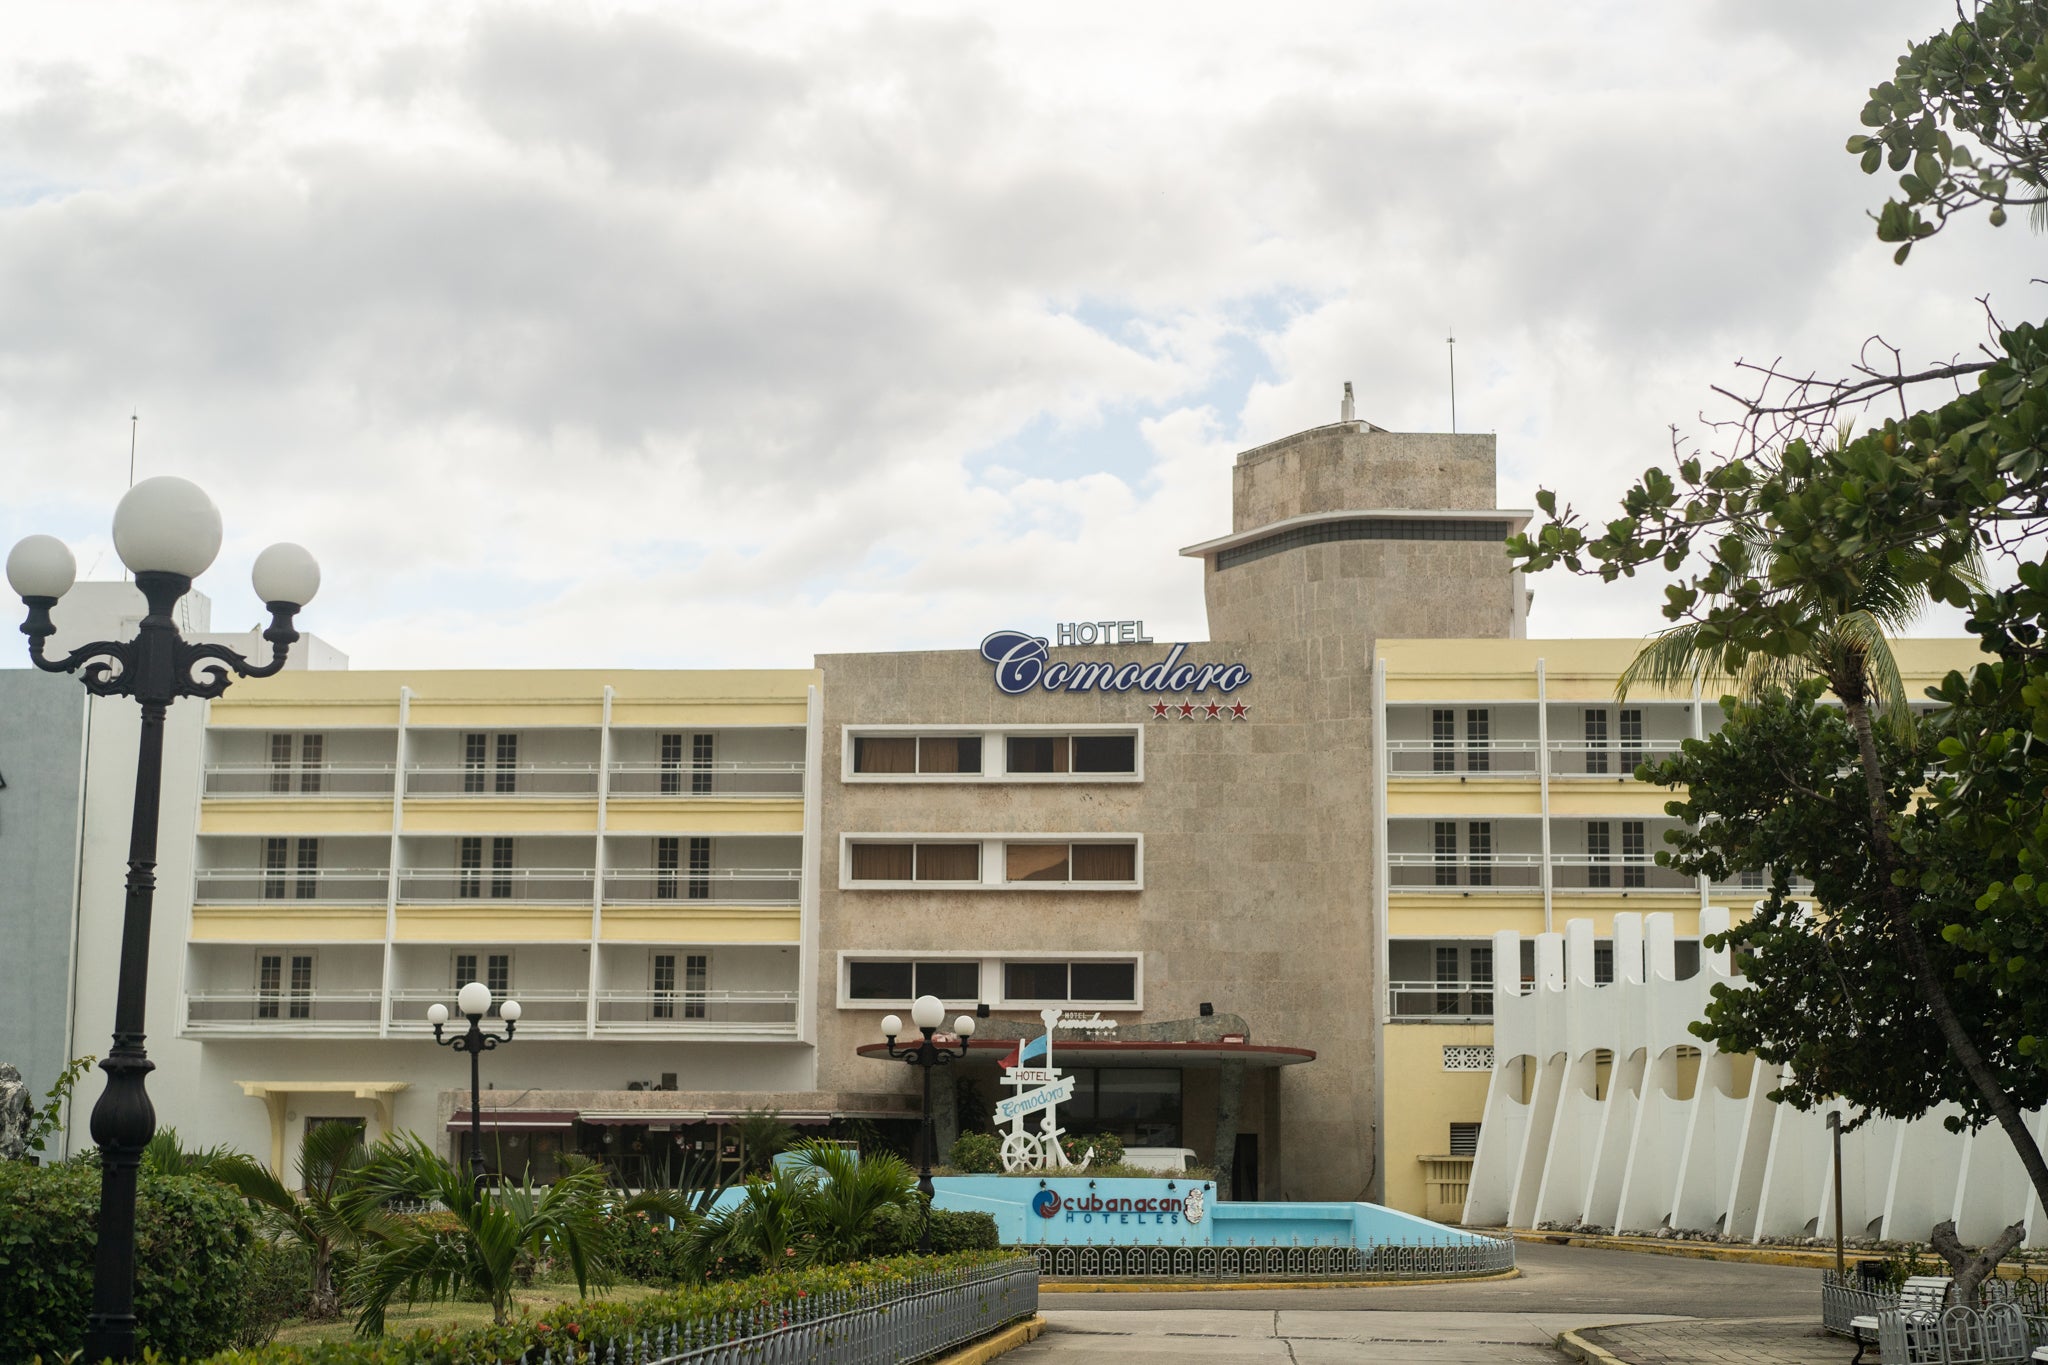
point(1023, 664)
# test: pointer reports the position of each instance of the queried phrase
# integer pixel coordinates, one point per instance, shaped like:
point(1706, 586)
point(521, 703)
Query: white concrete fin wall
point(1676, 1133)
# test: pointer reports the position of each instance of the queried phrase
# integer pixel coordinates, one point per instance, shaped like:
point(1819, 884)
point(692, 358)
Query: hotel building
point(1265, 870)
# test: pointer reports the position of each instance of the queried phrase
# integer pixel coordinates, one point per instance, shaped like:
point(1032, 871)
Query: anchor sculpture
point(1024, 1150)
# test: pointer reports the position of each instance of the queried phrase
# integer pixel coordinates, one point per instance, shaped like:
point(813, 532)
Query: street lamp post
point(474, 1000)
point(167, 531)
point(927, 1011)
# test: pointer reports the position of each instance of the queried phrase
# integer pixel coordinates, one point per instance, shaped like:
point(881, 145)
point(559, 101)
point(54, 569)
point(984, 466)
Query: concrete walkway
point(1308, 1337)
point(1761, 1341)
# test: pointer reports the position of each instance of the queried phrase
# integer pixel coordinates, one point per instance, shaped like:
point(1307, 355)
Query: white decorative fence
point(1603, 1110)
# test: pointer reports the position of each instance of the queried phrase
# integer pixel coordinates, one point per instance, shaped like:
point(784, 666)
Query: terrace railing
point(1439, 1261)
point(712, 780)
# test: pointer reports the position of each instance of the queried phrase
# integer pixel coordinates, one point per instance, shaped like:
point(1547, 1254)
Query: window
point(668, 854)
point(465, 969)
point(700, 867)
point(311, 753)
point(501, 869)
point(1443, 739)
point(916, 862)
point(1479, 852)
point(1603, 962)
point(1633, 871)
point(701, 746)
point(475, 749)
point(1597, 853)
point(1631, 738)
point(1037, 753)
point(506, 778)
point(1444, 833)
point(302, 986)
point(1105, 753)
point(884, 754)
point(276, 853)
point(498, 977)
point(696, 985)
point(280, 763)
point(1478, 740)
point(949, 754)
point(664, 987)
point(1481, 971)
point(1464, 1139)
point(1142, 1106)
point(1096, 981)
point(671, 764)
point(1448, 1000)
point(269, 975)
point(1596, 740)
point(1070, 862)
point(307, 884)
point(956, 980)
point(469, 867)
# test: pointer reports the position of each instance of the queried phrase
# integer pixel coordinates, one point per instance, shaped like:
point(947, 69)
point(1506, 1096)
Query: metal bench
point(1921, 1293)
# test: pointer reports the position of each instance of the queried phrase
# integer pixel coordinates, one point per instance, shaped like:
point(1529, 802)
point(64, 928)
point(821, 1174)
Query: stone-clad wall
point(1259, 834)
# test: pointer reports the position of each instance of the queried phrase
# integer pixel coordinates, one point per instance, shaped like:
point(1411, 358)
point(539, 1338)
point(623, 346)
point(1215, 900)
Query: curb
point(1578, 1348)
point(1212, 1286)
point(988, 1348)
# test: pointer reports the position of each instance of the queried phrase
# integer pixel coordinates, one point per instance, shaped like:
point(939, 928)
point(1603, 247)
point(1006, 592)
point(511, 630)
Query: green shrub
point(1109, 1148)
point(592, 1327)
point(192, 1238)
point(895, 1232)
point(976, 1154)
point(277, 1280)
point(645, 1251)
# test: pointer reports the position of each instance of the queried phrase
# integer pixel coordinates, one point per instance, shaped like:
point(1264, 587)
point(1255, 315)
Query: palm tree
point(762, 1133)
point(167, 1155)
point(494, 1229)
point(848, 1192)
point(322, 1219)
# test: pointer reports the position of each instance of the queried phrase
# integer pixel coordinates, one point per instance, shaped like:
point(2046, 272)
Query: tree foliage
point(1960, 122)
point(324, 1218)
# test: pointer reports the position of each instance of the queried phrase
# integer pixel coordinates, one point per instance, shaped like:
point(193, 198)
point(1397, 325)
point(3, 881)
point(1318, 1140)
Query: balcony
point(329, 782)
point(462, 885)
point(300, 1013)
point(251, 885)
point(702, 1011)
point(716, 886)
point(1441, 1001)
point(432, 781)
point(1613, 762)
point(1429, 872)
point(717, 781)
point(1427, 758)
point(1582, 873)
point(543, 1013)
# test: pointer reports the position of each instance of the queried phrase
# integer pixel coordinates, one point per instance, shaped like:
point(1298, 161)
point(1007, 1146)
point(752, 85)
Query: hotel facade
point(1263, 874)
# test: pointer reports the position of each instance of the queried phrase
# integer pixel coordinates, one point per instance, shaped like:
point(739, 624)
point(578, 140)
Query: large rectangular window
point(880, 980)
point(1478, 740)
point(269, 980)
point(1105, 753)
point(276, 855)
point(306, 885)
point(1596, 740)
point(885, 754)
point(874, 862)
point(302, 986)
point(1633, 853)
point(700, 867)
point(1140, 1105)
point(1631, 738)
point(1481, 976)
point(663, 1006)
point(469, 867)
point(280, 763)
point(696, 985)
point(1107, 982)
point(1448, 997)
point(671, 764)
point(702, 756)
point(948, 979)
point(1443, 740)
point(505, 777)
point(668, 859)
point(475, 752)
point(1479, 852)
point(1037, 754)
point(949, 754)
point(501, 869)
point(1444, 848)
point(1070, 862)
point(1598, 851)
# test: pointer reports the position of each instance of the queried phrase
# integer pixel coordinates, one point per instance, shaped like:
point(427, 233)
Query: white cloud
point(623, 334)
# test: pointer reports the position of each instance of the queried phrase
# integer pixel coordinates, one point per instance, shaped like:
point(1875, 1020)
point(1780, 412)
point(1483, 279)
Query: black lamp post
point(168, 532)
point(474, 1000)
point(927, 1011)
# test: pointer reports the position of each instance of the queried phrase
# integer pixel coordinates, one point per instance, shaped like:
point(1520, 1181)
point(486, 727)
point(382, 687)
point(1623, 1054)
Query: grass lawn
point(403, 1321)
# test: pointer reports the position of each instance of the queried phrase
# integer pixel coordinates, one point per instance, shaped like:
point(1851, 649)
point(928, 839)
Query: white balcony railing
point(1579, 872)
point(459, 885)
point(634, 1011)
point(719, 885)
point(1610, 761)
point(1501, 872)
point(248, 885)
point(1495, 758)
point(522, 779)
point(542, 1010)
point(1440, 999)
point(282, 1011)
point(713, 780)
point(334, 781)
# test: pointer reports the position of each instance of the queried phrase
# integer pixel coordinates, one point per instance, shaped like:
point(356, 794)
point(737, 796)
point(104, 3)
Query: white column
point(401, 748)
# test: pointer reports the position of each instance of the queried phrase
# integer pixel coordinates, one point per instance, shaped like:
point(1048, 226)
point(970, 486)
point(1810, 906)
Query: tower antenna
point(1451, 341)
point(134, 420)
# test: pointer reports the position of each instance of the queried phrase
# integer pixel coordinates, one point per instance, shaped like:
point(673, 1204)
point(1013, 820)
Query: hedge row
point(192, 1242)
point(601, 1322)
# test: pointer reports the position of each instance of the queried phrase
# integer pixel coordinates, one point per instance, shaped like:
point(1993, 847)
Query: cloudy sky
point(722, 334)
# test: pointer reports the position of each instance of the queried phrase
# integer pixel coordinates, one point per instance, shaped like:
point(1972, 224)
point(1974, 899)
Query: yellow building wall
point(278, 925)
point(1422, 1100)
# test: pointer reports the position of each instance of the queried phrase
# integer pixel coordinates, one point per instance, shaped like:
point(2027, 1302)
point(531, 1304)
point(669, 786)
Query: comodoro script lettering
point(1021, 663)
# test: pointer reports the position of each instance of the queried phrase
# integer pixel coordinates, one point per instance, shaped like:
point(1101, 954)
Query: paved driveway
point(1509, 1322)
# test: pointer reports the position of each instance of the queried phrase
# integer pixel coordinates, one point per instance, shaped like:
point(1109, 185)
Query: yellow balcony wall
point(1602, 906)
point(501, 815)
point(250, 815)
point(279, 923)
point(500, 923)
point(669, 815)
point(702, 924)
point(1463, 916)
point(1424, 796)
point(1597, 796)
